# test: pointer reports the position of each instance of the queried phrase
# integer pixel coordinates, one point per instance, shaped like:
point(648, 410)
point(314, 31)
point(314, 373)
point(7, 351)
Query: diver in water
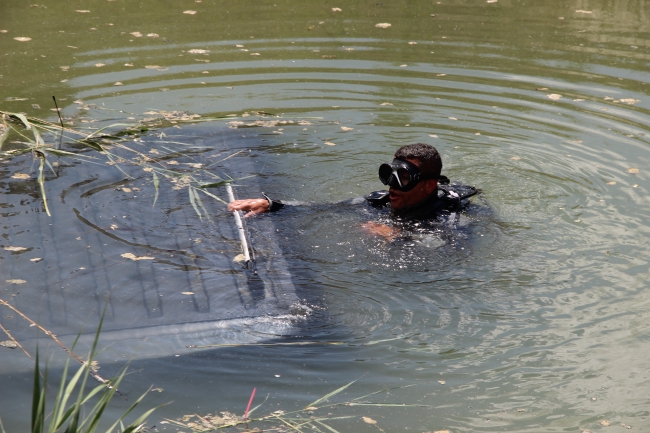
point(417, 191)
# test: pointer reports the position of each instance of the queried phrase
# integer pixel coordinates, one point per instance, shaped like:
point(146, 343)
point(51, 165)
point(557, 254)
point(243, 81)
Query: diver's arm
point(387, 232)
point(254, 206)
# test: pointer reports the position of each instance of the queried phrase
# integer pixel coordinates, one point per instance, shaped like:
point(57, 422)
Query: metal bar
point(240, 226)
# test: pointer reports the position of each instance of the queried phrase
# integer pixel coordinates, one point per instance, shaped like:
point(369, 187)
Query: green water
point(536, 322)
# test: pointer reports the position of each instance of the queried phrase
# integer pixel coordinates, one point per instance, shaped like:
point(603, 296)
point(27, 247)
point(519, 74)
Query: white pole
point(240, 225)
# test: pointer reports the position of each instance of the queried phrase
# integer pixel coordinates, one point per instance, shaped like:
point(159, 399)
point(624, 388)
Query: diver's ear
point(430, 185)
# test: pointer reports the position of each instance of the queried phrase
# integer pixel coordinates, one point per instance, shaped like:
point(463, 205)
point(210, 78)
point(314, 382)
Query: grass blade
point(331, 394)
point(41, 181)
point(198, 200)
point(156, 185)
point(327, 427)
point(192, 200)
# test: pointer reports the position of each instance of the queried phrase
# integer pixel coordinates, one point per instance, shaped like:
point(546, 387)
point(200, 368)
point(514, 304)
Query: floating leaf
point(554, 96)
point(382, 25)
point(611, 183)
point(16, 281)
point(10, 248)
point(368, 420)
point(239, 258)
point(136, 258)
point(189, 12)
point(36, 259)
point(187, 293)
point(118, 83)
point(337, 10)
point(20, 176)
point(83, 11)
point(8, 343)
point(329, 143)
point(23, 39)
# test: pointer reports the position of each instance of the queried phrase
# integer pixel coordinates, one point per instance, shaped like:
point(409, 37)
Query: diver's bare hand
point(251, 206)
point(380, 229)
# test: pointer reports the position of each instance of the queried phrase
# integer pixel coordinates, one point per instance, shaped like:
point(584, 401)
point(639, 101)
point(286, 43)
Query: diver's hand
point(252, 206)
point(387, 232)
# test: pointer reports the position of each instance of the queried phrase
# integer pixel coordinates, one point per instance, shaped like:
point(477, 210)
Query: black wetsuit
point(443, 201)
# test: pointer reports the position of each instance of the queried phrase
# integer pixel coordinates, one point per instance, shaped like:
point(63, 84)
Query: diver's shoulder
point(377, 198)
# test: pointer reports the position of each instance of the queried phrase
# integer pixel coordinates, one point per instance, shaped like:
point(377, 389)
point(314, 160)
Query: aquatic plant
point(305, 419)
point(110, 144)
point(70, 414)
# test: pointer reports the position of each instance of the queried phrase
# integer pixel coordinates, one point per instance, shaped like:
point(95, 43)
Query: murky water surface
point(530, 315)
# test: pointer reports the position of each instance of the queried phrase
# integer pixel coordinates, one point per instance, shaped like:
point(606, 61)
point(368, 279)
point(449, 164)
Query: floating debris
point(136, 258)
point(23, 39)
point(99, 65)
point(345, 128)
point(9, 344)
point(189, 12)
point(633, 170)
point(83, 11)
point(10, 248)
point(337, 10)
point(16, 281)
point(604, 423)
point(554, 96)
point(20, 176)
point(198, 51)
point(368, 420)
point(136, 34)
point(382, 25)
point(580, 11)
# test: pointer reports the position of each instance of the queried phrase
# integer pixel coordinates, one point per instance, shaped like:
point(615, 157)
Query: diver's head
point(413, 174)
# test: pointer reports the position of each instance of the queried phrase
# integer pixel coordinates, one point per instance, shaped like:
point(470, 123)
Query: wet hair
point(430, 161)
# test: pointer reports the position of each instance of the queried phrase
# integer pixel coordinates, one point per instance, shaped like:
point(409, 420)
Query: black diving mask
point(401, 175)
